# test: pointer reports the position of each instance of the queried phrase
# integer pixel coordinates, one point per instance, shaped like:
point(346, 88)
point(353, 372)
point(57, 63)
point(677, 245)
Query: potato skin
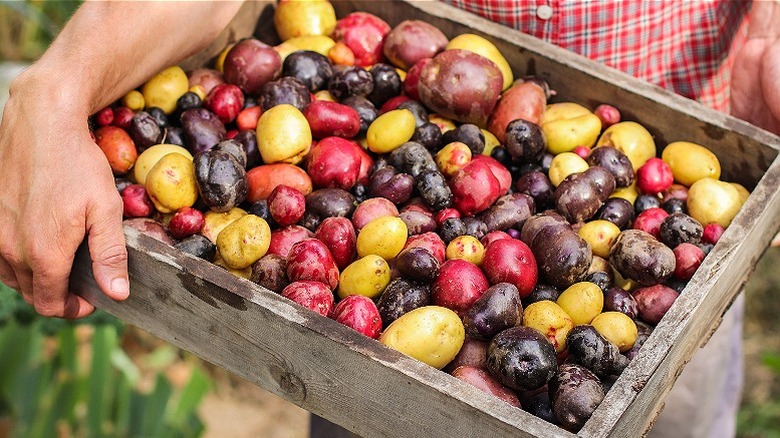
point(637, 255)
point(579, 196)
point(430, 334)
point(244, 241)
point(575, 393)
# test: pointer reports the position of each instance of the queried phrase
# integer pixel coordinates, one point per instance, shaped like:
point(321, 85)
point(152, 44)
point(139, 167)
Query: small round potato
point(564, 164)
point(600, 234)
point(244, 241)
point(711, 200)
point(467, 248)
point(367, 276)
point(582, 301)
point(283, 135)
point(390, 130)
point(549, 319)
point(430, 334)
point(617, 328)
point(384, 236)
point(171, 184)
point(216, 222)
point(149, 157)
point(165, 88)
point(690, 162)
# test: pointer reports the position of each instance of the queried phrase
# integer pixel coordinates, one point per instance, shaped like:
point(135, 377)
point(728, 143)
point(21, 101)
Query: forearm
point(128, 42)
point(764, 19)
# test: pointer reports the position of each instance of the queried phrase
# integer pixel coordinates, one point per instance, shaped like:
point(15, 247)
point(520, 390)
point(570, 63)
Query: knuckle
point(114, 255)
point(48, 308)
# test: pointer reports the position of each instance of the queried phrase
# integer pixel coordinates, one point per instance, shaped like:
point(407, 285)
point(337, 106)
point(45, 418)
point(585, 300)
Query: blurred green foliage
point(28, 27)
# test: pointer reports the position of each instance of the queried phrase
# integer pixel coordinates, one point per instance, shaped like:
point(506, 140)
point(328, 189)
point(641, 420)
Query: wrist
point(48, 89)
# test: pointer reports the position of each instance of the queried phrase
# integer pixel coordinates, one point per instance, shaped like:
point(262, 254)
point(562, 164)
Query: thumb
point(107, 248)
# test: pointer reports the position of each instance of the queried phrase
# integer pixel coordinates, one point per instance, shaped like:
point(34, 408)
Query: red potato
point(186, 222)
point(511, 261)
point(653, 302)
point(366, 164)
point(650, 220)
point(247, 119)
point(473, 353)
point(104, 117)
point(122, 117)
point(655, 176)
point(338, 234)
point(312, 295)
point(286, 205)
point(207, 78)
point(334, 162)
point(393, 102)
point(150, 227)
point(501, 173)
point(136, 202)
point(411, 41)
point(608, 114)
point(359, 313)
point(118, 148)
point(494, 236)
point(262, 179)
point(430, 241)
point(474, 188)
point(484, 381)
point(458, 286)
point(522, 100)
point(364, 34)
point(250, 64)
point(688, 258)
point(461, 85)
point(446, 213)
point(310, 259)
point(282, 239)
point(372, 208)
point(226, 101)
point(712, 233)
point(412, 79)
point(328, 119)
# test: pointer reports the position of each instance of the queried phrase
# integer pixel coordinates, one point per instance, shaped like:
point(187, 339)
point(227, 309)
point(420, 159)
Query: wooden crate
point(356, 382)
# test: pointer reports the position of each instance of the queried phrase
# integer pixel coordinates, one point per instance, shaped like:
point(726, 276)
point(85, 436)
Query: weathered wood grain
point(373, 391)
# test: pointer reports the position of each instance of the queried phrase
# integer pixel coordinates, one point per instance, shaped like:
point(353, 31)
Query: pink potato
point(499, 171)
point(334, 162)
point(511, 261)
point(458, 286)
point(310, 259)
point(364, 34)
point(688, 258)
point(493, 236)
point(207, 78)
point(186, 222)
point(250, 64)
point(136, 201)
point(483, 380)
point(338, 234)
point(430, 241)
point(650, 220)
point(473, 353)
point(359, 313)
point(412, 79)
point(474, 188)
point(286, 205)
point(522, 100)
point(654, 301)
point(461, 85)
point(372, 208)
point(411, 41)
point(312, 295)
point(282, 239)
point(226, 101)
point(151, 228)
point(328, 119)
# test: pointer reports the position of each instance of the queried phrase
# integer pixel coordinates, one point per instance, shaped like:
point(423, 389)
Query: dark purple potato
point(588, 348)
point(199, 246)
point(576, 392)
point(221, 180)
point(174, 135)
point(151, 228)
point(248, 138)
point(159, 116)
point(620, 300)
point(433, 189)
point(312, 68)
point(475, 227)
point(388, 183)
point(400, 297)
point(643, 332)
point(387, 83)
point(674, 205)
point(417, 264)
point(412, 158)
point(417, 222)
point(521, 358)
point(271, 272)
point(539, 405)
point(637, 255)
point(538, 186)
point(509, 211)
point(525, 141)
point(451, 228)
point(365, 109)
point(187, 101)
point(680, 228)
point(330, 202)
point(350, 80)
point(429, 135)
point(601, 279)
point(563, 257)
point(286, 89)
point(616, 162)
point(250, 64)
point(498, 308)
point(260, 208)
point(645, 202)
point(418, 110)
point(541, 292)
point(144, 131)
point(234, 148)
point(202, 129)
point(580, 195)
point(619, 211)
point(468, 134)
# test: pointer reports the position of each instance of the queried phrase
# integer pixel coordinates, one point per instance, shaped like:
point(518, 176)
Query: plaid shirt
point(687, 46)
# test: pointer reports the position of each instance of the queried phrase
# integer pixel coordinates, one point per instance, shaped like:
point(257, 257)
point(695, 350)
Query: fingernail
point(119, 288)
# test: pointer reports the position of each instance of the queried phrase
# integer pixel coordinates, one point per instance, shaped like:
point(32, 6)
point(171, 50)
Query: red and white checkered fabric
point(683, 45)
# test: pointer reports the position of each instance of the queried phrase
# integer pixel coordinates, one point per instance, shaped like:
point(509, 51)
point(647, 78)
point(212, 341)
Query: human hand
point(58, 188)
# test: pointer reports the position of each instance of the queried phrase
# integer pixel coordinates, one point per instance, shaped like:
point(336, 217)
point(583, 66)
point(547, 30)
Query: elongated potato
point(637, 255)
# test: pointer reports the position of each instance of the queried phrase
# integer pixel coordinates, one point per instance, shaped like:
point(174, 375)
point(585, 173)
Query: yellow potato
point(219, 63)
point(366, 276)
point(600, 234)
point(481, 46)
point(165, 88)
point(244, 241)
point(549, 319)
point(216, 222)
point(148, 158)
point(304, 17)
point(452, 157)
point(565, 164)
point(582, 301)
point(283, 135)
point(431, 334)
point(316, 43)
point(467, 248)
point(390, 130)
point(490, 142)
point(628, 193)
point(442, 122)
point(617, 328)
point(632, 139)
point(134, 100)
point(171, 184)
point(567, 125)
point(243, 273)
point(690, 162)
point(711, 200)
point(384, 236)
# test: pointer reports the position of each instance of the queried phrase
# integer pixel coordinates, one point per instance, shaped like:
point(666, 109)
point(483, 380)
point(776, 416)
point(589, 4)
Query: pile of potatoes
point(408, 186)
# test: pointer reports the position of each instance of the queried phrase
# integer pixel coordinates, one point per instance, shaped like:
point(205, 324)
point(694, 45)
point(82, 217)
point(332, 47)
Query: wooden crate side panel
point(312, 361)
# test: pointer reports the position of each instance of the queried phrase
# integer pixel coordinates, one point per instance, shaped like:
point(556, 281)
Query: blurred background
point(100, 377)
